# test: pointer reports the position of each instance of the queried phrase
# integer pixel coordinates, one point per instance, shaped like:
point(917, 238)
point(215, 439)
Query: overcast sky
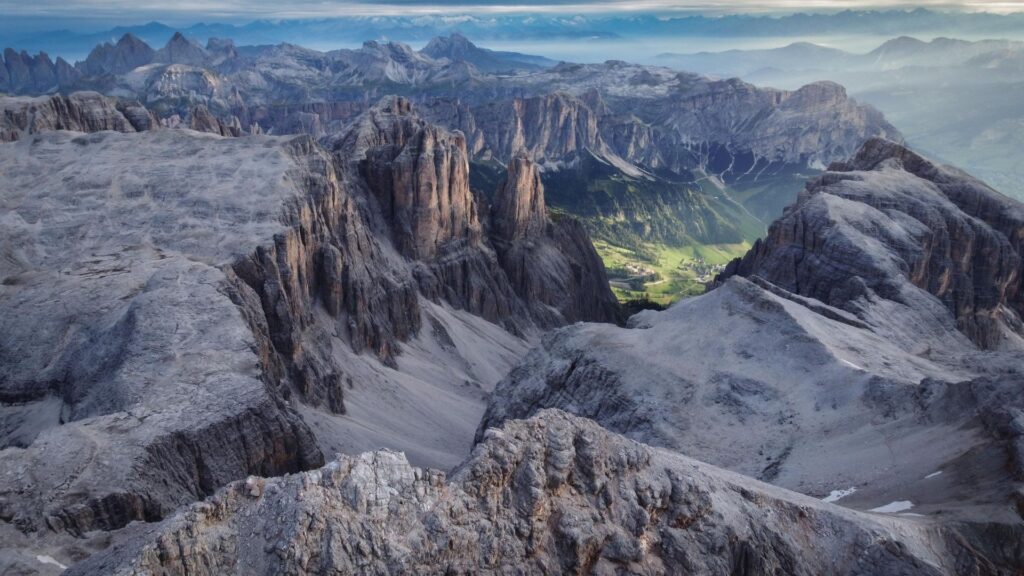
point(198, 10)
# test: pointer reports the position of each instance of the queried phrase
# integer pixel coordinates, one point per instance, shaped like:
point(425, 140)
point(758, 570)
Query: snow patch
point(852, 365)
point(837, 495)
point(43, 559)
point(893, 507)
point(933, 475)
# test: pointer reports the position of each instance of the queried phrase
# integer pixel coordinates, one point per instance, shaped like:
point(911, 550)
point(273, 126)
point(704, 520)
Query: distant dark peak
point(455, 46)
point(180, 42)
point(875, 151)
point(905, 41)
point(902, 43)
point(129, 53)
point(821, 91)
point(131, 40)
point(181, 50)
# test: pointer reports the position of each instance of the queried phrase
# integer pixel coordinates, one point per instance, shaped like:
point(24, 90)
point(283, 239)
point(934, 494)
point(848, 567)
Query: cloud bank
point(275, 9)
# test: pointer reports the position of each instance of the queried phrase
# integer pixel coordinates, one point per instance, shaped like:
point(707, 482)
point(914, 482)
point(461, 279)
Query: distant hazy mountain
point(458, 48)
point(67, 38)
point(894, 54)
point(952, 98)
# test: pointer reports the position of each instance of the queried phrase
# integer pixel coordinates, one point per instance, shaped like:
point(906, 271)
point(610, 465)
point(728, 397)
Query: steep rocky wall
point(80, 112)
point(329, 255)
point(419, 176)
point(551, 264)
point(889, 218)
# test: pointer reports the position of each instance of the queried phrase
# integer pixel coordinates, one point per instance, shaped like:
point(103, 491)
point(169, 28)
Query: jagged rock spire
point(519, 211)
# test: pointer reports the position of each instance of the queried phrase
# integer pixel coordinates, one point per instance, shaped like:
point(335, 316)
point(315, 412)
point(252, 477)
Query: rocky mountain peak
point(819, 94)
point(24, 73)
point(894, 225)
point(127, 54)
point(181, 50)
point(455, 47)
point(420, 174)
point(519, 211)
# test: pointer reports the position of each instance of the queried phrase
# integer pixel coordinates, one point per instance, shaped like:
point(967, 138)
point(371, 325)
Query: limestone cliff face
point(419, 175)
point(889, 219)
point(519, 212)
point(551, 495)
point(201, 120)
point(80, 112)
point(328, 254)
point(552, 265)
point(548, 127)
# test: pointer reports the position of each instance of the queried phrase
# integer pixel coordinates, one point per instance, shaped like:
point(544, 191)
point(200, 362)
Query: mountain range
point(692, 161)
point(71, 39)
point(946, 95)
point(271, 309)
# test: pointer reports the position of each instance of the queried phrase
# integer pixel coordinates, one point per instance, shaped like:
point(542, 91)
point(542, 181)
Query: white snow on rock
point(837, 495)
point(893, 507)
point(43, 559)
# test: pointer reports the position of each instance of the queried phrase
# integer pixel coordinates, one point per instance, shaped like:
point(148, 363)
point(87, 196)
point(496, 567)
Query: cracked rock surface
point(552, 494)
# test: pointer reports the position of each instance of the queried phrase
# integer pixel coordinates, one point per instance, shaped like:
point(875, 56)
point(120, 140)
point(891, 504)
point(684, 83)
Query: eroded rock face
point(553, 494)
point(519, 212)
point(890, 223)
point(551, 264)
point(419, 175)
point(80, 112)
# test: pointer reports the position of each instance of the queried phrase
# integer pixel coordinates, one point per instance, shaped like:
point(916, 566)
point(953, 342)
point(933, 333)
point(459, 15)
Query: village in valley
point(665, 274)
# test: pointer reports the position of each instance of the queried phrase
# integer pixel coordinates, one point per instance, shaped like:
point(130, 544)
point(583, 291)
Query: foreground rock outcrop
point(553, 494)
